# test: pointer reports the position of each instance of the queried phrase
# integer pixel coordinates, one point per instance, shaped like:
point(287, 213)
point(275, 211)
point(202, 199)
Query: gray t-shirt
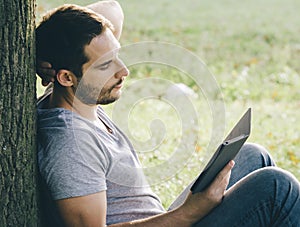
point(76, 158)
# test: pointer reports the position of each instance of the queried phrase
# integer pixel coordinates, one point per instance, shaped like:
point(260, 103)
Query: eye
point(104, 67)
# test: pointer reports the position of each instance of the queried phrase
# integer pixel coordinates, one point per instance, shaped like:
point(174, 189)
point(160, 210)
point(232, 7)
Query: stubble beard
point(90, 96)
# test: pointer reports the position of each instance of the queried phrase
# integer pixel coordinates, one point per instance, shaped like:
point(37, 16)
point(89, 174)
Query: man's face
point(104, 73)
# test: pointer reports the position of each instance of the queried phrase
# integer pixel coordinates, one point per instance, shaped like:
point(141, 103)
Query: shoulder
point(71, 159)
point(63, 131)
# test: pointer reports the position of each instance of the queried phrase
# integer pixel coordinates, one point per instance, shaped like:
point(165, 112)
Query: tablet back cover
point(225, 152)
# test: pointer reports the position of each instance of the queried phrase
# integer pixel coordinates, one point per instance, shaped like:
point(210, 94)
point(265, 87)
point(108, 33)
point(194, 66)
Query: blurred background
point(253, 50)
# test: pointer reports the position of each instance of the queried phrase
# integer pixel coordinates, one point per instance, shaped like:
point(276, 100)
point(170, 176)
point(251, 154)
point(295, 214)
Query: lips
point(118, 86)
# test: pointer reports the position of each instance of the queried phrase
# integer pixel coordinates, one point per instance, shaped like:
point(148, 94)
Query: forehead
point(101, 46)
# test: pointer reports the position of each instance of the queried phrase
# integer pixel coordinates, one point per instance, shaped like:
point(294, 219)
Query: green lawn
point(251, 47)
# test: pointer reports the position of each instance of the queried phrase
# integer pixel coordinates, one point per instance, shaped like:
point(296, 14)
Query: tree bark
point(18, 171)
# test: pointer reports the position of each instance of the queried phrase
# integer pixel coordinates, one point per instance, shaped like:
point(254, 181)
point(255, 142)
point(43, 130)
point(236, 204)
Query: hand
point(200, 204)
point(46, 72)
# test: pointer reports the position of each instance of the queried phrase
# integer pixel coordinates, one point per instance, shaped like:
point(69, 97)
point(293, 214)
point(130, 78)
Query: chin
point(106, 101)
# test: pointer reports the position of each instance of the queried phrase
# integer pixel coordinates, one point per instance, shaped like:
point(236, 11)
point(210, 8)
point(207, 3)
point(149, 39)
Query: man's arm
point(112, 11)
point(91, 210)
point(84, 211)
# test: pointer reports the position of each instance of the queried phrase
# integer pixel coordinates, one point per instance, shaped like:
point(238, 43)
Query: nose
point(123, 71)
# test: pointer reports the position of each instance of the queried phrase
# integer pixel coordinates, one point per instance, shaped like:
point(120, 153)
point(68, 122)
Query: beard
point(95, 96)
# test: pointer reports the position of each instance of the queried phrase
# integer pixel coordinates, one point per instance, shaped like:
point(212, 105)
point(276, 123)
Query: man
point(83, 157)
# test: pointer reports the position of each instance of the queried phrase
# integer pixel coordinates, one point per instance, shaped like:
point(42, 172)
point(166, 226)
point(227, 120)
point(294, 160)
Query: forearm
point(172, 218)
point(112, 11)
point(194, 208)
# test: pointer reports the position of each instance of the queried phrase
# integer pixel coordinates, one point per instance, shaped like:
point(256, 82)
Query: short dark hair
point(63, 34)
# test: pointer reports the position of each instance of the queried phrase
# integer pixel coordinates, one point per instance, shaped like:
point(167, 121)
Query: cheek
point(98, 77)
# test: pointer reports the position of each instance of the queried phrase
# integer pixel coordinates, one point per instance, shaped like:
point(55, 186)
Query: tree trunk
point(18, 194)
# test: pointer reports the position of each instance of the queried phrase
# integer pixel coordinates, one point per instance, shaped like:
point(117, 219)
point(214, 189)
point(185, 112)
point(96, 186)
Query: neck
point(63, 97)
point(87, 111)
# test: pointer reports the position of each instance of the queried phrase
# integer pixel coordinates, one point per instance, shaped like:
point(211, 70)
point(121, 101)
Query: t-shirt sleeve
point(73, 163)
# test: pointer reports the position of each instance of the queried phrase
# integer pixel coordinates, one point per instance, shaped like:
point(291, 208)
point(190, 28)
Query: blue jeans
point(259, 194)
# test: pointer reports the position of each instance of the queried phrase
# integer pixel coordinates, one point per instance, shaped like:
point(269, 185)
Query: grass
point(253, 50)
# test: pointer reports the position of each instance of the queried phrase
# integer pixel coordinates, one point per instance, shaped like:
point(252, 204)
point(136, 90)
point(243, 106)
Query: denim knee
point(258, 152)
point(276, 181)
point(271, 183)
point(266, 197)
point(250, 158)
point(274, 174)
point(274, 192)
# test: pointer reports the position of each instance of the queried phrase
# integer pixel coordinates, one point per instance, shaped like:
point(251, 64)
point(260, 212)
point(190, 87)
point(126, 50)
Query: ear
point(66, 78)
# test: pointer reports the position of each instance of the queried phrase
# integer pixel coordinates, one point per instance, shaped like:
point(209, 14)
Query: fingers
point(45, 83)
point(44, 64)
point(46, 72)
point(47, 75)
point(200, 204)
point(227, 169)
point(218, 187)
point(222, 178)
